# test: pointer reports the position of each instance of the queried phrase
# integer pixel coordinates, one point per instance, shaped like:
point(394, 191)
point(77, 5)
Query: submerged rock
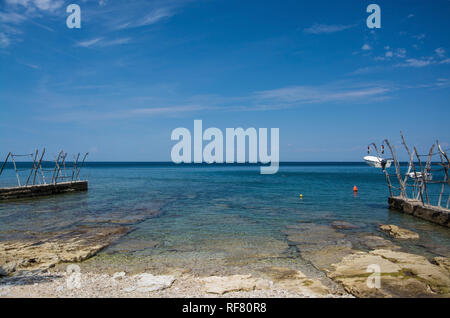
point(342, 225)
point(401, 275)
point(398, 232)
point(320, 244)
point(225, 284)
point(377, 242)
point(45, 250)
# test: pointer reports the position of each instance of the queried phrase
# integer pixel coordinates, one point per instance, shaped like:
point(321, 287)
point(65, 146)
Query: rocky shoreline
point(174, 285)
point(29, 267)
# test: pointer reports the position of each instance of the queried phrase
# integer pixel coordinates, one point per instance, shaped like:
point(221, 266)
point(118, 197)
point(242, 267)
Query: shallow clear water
point(216, 218)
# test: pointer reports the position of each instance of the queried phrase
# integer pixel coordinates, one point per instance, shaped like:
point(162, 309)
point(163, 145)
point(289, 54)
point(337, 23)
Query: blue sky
point(136, 70)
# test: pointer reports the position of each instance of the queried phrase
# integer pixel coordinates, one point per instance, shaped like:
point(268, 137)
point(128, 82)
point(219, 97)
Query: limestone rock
point(320, 244)
point(295, 280)
point(443, 262)
point(148, 282)
point(221, 285)
point(401, 275)
point(398, 232)
point(7, 268)
point(41, 251)
point(119, 275)
point(377, 242)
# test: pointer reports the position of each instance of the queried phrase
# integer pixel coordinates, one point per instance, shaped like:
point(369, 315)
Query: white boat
point(418, 176)
point(377, 162)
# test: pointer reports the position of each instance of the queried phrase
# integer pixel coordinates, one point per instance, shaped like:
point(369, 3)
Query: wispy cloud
point(101, 42)
point(33, 66)
point(151, 18)
point(425, 61)
point(416, 63)
point(11, 17)
point(440, 52)
point(45, 5)
point(17, 12)
point(335, 92)
point(88, 43)
point(291, 97)
point(4, 40)
point(124, 114)
point(327, 28)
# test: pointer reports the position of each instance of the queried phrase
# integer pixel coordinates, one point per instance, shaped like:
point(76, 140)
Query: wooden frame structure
point(44, 177)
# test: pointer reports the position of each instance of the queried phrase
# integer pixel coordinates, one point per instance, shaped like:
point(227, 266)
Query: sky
point(136, 70)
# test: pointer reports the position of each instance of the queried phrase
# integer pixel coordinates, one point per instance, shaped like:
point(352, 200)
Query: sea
point(218, 219)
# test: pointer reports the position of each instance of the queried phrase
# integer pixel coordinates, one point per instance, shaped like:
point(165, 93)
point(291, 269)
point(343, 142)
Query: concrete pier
point(430, 213)
point(42, 190)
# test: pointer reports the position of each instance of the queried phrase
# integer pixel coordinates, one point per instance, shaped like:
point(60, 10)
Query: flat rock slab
point(319, 244)
point(376, 242)
point(235, 283)
point(295, 280)
point(45, 250)
point(401, 275)
point(398, 232)
point(148, 282)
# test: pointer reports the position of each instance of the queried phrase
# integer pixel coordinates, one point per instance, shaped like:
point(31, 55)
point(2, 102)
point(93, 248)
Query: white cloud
point(400, 53)
point(416, 63)
point(440, 52)
point(410, 16)
point(153, 17)
point(115, 42)
point(326, 28)
point(341, 92)
point(121, 114)
point(389, 54)
point(366, 47)
point(4, 41)
point(44, 5)
point(419, 36)
point(11, 17)
point(101, 42)
point(88, 43)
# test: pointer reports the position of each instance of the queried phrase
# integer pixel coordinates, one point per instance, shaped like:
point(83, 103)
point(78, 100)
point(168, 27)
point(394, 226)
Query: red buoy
point(355, 189)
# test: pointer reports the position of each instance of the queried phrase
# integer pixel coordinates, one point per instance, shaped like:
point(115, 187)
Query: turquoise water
point(218, 217)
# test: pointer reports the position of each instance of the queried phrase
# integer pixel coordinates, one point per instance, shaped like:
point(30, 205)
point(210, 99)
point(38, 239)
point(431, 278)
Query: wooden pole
point(397, 168)
point(15, 169)
point(75, 165)
point(40, 169)
point(411, 165)
point(34, 166)
point(56, 166)
point(81, 166)
point(4, 163)
point(63, 159)
point(423, 177)
point(384, 169)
